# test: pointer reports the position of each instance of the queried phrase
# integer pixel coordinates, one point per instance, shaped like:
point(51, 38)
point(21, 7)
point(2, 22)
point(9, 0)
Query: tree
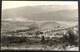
point(33, 26)
point(72, 36)
point(33, 29)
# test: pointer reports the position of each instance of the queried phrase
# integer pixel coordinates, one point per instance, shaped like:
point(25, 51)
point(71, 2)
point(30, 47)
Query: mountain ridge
point(41, 13)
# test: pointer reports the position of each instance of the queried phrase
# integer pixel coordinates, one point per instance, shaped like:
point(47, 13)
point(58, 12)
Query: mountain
point(49, 24)
point(41, 13)
point(44, 15)
point(18, 25)
point(14, 25)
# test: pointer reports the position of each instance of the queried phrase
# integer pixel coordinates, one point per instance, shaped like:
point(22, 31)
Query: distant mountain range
point(45, 16)
point(41, 13)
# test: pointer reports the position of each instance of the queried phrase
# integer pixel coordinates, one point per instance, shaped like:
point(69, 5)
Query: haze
point(15, 4)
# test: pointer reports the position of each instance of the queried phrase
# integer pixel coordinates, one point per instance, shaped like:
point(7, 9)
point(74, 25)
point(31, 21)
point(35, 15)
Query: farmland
point(31, 39)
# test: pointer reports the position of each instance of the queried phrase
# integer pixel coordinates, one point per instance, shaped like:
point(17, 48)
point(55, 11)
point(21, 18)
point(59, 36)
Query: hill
point(41, 12)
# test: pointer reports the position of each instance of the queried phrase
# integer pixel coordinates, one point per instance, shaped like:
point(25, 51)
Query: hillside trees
point(34, 29)
point(72, 38)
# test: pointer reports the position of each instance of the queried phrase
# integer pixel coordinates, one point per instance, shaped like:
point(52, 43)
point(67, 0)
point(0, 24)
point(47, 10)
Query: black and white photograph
point(40, 25)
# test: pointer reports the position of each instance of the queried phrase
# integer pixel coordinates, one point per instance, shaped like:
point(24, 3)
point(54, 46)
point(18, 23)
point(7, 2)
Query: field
point(38, 40)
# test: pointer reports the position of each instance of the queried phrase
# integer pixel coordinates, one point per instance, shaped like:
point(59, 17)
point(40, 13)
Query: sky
point(15, 4)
